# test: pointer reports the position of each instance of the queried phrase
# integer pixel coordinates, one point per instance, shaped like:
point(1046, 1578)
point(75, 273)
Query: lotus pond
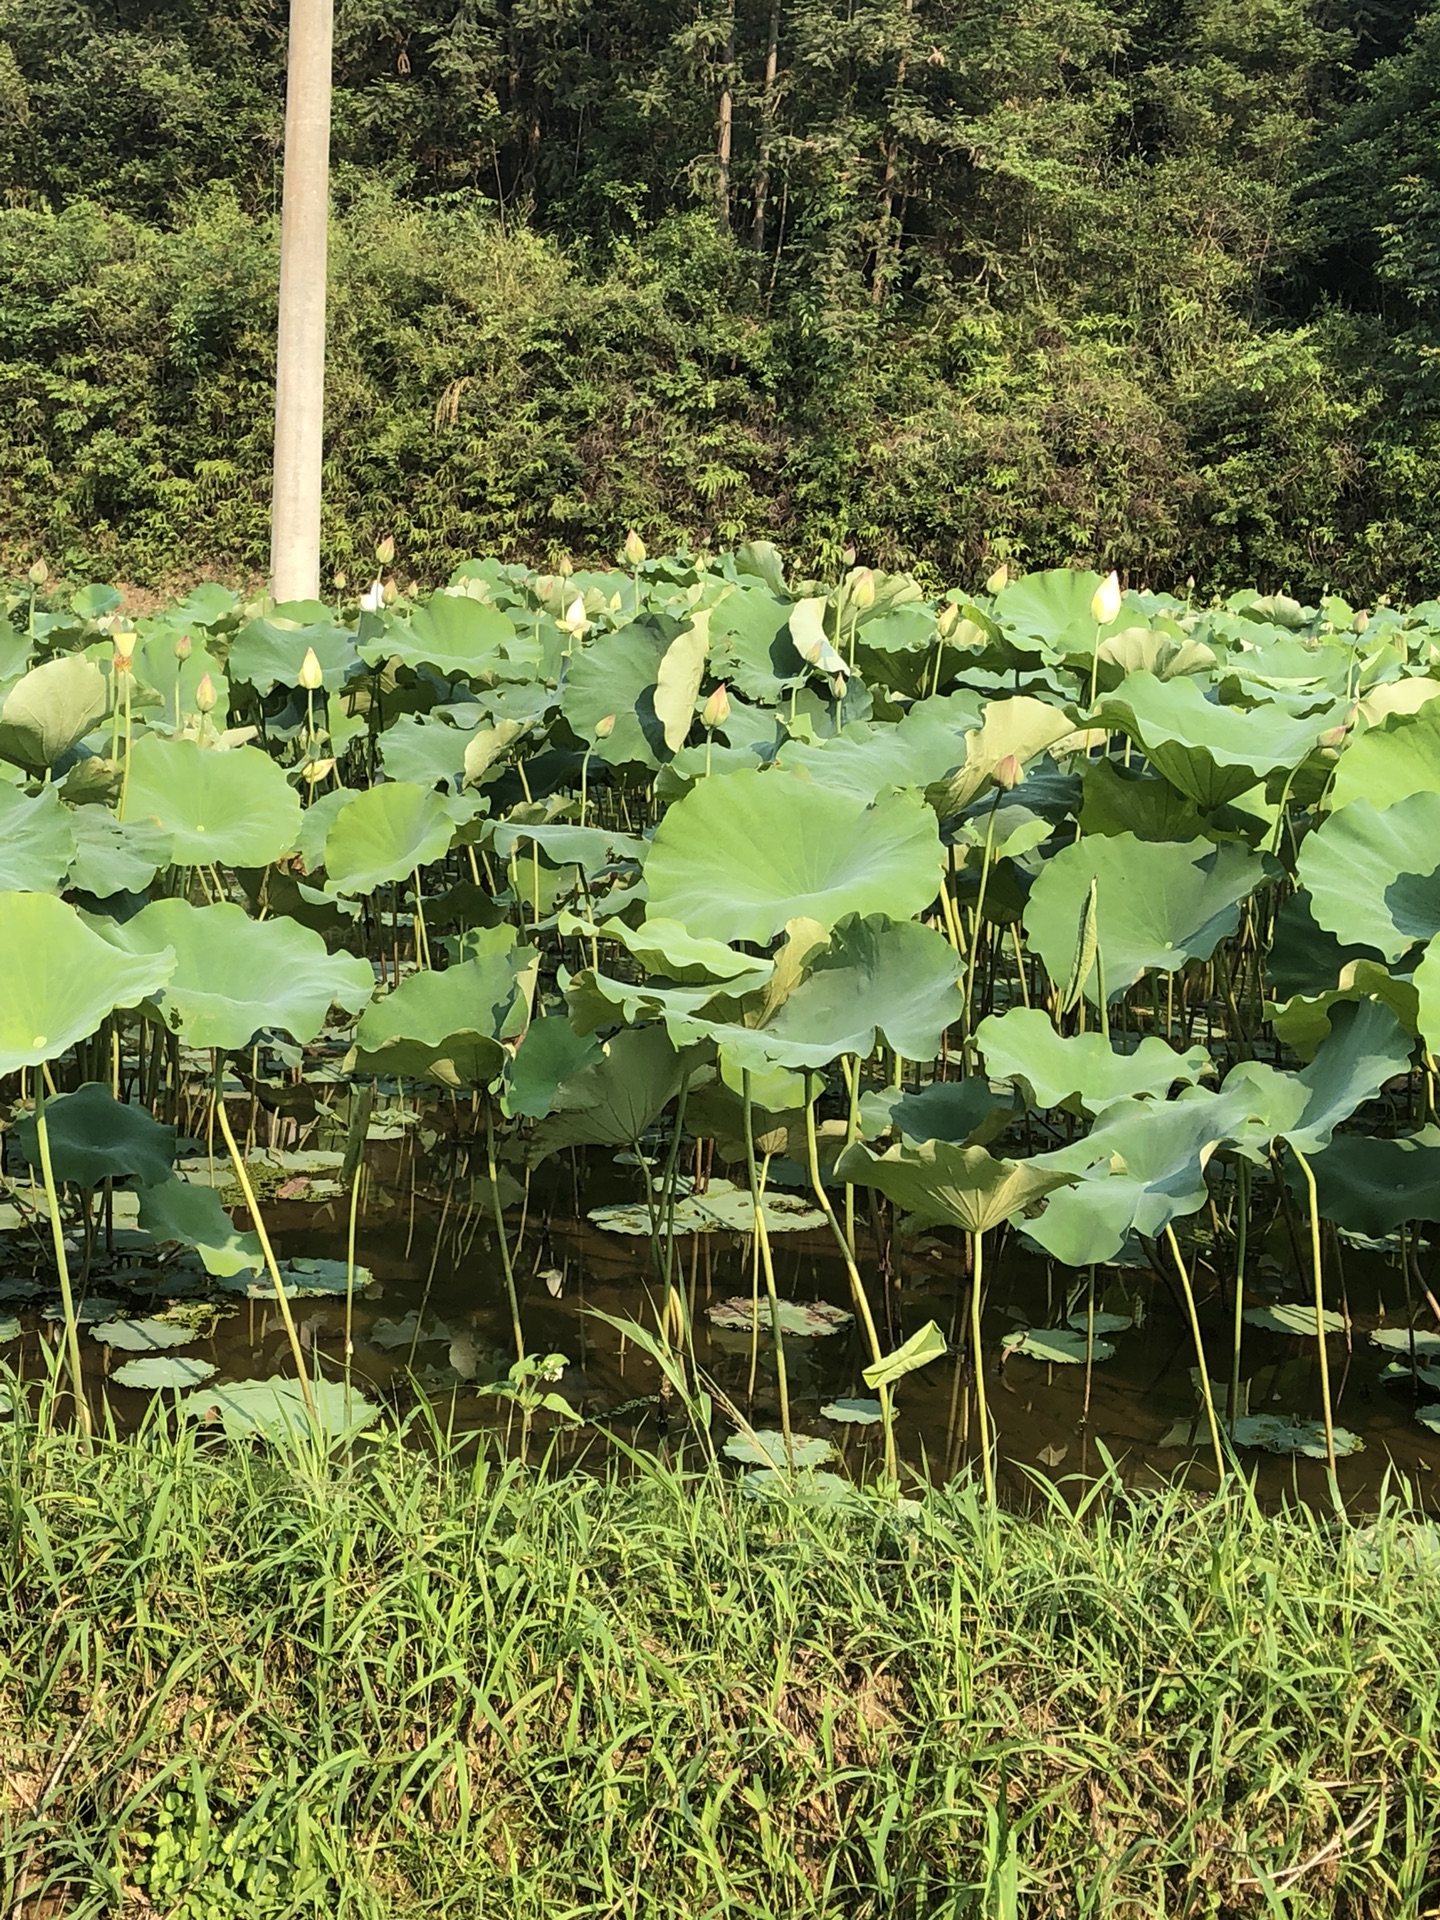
point(847, 1028)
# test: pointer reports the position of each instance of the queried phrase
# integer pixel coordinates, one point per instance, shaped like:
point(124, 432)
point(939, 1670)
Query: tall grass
point(423, 1680)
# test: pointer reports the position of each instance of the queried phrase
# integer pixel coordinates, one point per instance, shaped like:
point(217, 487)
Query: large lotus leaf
point(1375, 877)
point(1208, 752)
point(1083, 1069)
point(1303, 957)
point(751, 644)
point(613, 1102)
point(1366, 1047)
point(1018, 729)
point(235, 976)
point(1051, 610)
point(155, 667)
point(270, 653)
point(384, 834)
point(1158, 904)
point(592, 849)
point(1141, 1166)
point(550, 1053)
point(963, 1187)
point(113, 856)
point(614, 679)
point(49, 710)
point(665, 947)
point(1390, 762)
point(866, 758)
point(460, 637)
point(964, 1113)
point(36, 845)
point(596, 1000)
point(1371, 1186)
point(61, 979)
point(452, 1026)
point(1165, 650)
point(1122, 801)
point(743, 853)
point(427, 752)
point(234, 806)
point(95, 1137)
point(1304, 1024)
point(173, 1210)
point(276, 1409)
point(677, 681)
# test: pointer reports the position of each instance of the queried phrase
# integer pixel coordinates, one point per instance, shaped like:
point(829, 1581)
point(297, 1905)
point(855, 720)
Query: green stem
point(982, 1404)
point(1205, 1393)
point(62, 1262)
point(507, 1268)
point(762, 1240)
point(1320, 1338)
point(1242, 1236)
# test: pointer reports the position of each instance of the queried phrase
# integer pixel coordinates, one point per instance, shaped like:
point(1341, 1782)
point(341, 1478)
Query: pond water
point(435, 1322)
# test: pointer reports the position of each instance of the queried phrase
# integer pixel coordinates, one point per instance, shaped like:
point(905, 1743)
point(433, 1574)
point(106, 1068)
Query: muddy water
point(436, 1324)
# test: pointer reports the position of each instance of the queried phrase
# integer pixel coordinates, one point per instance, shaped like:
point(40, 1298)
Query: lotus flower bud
point(1332, 737)
point(998, 580)
point(124, 644)
point(575, 621)
point(634, 549)
point(947, 619)
point(545, 585)
point(373, 597)
point(848, 556)
point(312, 676)
point(39, 573)
point(566, 567)
point(604, 728)
point(1009, 773)
point(389, 593)
point(385, 551)
point(341, 579)
point(716, 710)
point(1105, 601)
point(184, 647)
point(205, 695)
point(317, 770)
point(862, 588)
point(1361, 621)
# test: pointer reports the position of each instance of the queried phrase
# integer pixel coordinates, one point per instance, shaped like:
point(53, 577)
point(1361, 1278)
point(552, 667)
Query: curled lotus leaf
point(455, 1026)
point(1082, 1069)
point(1210, 753)
point(964, 1187)
point(234, 806)
point(1366, 1046)
point(191, 1215)
point(614, 679)
point(95, 1137)
point(744, 852)
point(1375, 877)
point(1017, 729)
point(613, 1101)
point(671, 950)
point(49, 710)
point(113, 856)
point(384, 834)
point(234, 976)
point(61, 979)
point(1390, 762)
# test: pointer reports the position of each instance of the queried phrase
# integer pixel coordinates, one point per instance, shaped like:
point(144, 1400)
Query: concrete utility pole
point(300, 351)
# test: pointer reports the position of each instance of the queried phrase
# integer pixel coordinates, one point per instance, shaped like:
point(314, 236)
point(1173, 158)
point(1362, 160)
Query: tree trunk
point(727, 129)
point(767, 130)
point(300, 348)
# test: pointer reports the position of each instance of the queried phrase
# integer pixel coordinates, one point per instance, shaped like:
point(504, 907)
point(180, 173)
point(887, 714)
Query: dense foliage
point(1152, 285)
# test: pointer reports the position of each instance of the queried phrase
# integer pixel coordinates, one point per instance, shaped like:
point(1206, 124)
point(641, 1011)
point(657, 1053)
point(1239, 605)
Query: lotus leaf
point(459, 636)
point(852, 1413)
point(593, 849)
point(49, 711)
point(112, 857)
point(409, 1332)
point(9, 1327)
point(1083, 1069)
point(678, 678)
point(193, 1216)
point(1375, 877)
point(142, 1336)
point(1420, 1340)
point(276, 1409)
point(234, 806)
point(429, 753)
point(1018, 729)
point(665, 947)
point(964, 1187)
point(1390, 762)
point(965, 1113)
point(1051, 609)
point(61, 979)
point(452, 1026)
point(1157, 905)
point(384, 834)
point(94, 1137)
point(743, 853)
point(1290, 1316)
point(800, 1319)
point(1057, 1346)
point(1144, 804)
point(1100, 1322)
point(1275, 1433)
point(36, 846)
point(487, 746)
point(1371, 1186)
point(1210, 753)
point(865, 759)
point(1366, 1047)
point(751, 644)
point(550, 1053)
point(923, 1347)
point(235, 976)
point(769, 1450)
point(164, 1370)
point(269, 653)
point(615, 679)
point(303, 1280)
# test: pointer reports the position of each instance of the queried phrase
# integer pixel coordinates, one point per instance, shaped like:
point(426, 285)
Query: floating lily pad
point(408, 1332)
point(1102, 1322)
point(166, 1370)
point(275, 1409)
point(768, 1450)
point(142, 1336)
point(808, 1319)
point(1289, 1316)
point(88, 1312)
point(1273, 1433)
point(304, 1280)
point(852, 1413)
point(1426, 1377)
point(1056, 1345)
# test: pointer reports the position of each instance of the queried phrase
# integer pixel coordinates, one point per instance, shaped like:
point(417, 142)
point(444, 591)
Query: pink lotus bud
point(604, 728)
point(184, 647)
point(716, 710)
point(1009, 773)
point(205, 694)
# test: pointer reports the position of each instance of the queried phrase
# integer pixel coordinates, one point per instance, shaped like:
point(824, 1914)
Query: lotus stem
point(982, 1404)
point(1317, 1271)
point(762, 1239)
point(237, 1160)
point(857, 1285)
point(1242, 1236)
point(1205, 1392)
point(508, 1270)
point(62, 1263)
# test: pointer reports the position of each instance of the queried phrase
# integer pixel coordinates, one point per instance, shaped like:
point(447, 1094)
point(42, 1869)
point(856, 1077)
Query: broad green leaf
point(270, 653)
point(1018, 728)
point(614, 679)
point(234, 976)
point(764, 1449)
point(94, 1137)
point(61, 979)
point(1390, 762)
point(276, 1410)
point(964, 1113)
point(852, 1413)
point(1291, 1316)
point(1145, 804)
point(1371, 1186)
point(112, 857)
point(1057, 1346)
point(142, 1336)
point(669, 949)
point(164, 1370)
point(454, 1026)
point(1375, 877)
point(36, 845)
point(1366, 1046)
point(174, 1210)
point(1157, 905)
point(488, 746)
point(235, 806)
point(918, 1351)
point(50, 710)
point(751, 644)
point(1084, 1069)
point(422, 753)
point(461, 637)
point(744, 852)
point(1208, 752)
point(550, 1053)
point(384, 834)
point(614, 1101)
point(964, 1187)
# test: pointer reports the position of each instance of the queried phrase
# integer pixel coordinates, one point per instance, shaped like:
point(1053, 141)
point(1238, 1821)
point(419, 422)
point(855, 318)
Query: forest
point(947, 283)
